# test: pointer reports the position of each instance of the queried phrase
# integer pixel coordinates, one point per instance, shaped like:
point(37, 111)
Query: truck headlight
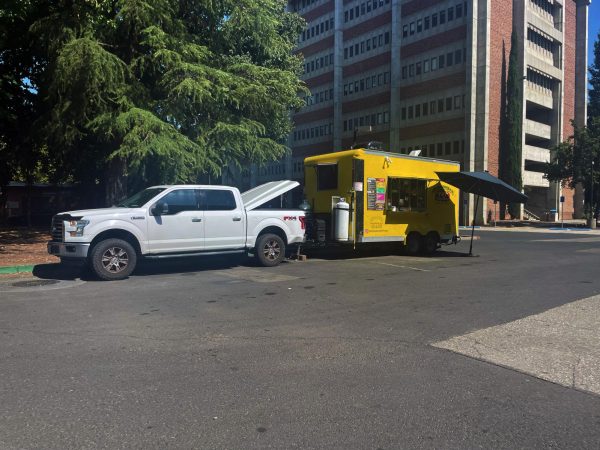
point(79, 225)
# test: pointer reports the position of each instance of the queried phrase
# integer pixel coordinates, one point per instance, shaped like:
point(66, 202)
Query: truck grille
point(57, 228)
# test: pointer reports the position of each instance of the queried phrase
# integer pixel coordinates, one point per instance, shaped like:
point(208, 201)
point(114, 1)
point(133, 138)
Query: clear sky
point(594, 27)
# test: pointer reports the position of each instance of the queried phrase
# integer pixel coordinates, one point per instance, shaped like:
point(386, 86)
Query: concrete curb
point(16, 269)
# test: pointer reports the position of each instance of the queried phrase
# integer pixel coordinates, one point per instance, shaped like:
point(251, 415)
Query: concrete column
point(581, 64)
point(395, 75)
point(478, 70)
point(338, 75)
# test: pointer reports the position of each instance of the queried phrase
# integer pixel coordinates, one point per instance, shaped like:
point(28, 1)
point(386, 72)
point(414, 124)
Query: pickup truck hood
point(260, 195)
point(98, 212)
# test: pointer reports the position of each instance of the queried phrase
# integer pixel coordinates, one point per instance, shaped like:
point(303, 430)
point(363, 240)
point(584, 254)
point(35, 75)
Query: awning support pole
point(473, 227)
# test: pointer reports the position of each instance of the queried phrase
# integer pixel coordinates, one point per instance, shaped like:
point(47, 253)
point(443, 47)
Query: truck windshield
point(141, 198)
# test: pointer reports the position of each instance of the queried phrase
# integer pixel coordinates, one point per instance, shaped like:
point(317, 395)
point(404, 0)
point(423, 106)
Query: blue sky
point(594, 27)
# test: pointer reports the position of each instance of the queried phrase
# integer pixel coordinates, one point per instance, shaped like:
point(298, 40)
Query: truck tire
point(431, 243)
point(113, 259)
point(414, 243)
point(270, 250)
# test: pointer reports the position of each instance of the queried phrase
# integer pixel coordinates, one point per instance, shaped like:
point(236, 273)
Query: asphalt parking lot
point(376, 351)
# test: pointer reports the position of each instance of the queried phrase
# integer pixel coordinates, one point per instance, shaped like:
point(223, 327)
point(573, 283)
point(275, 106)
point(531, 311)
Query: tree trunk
point(116, 181)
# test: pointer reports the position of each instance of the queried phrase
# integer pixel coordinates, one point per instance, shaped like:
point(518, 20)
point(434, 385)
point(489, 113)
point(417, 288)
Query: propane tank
point(341, 216)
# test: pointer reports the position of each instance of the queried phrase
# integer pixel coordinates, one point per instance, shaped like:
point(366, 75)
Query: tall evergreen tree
point(594, 80)
point(512, 139)
point(162, 91)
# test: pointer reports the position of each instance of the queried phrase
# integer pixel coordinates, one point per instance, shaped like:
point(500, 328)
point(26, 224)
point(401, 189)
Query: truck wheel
point(414, 243)
point(270, 250)
point(431, 243)
point(113, 259)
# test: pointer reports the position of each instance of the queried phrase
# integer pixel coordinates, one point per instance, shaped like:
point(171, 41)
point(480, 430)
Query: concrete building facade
point(431, 75)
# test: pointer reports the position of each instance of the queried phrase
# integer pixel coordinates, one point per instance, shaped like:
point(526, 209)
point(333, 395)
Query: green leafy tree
point(577, 160)
point(512, 130)
point(162, 91)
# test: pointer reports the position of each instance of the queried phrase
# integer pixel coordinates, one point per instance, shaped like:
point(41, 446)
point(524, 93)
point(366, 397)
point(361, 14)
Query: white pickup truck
point(174, 221)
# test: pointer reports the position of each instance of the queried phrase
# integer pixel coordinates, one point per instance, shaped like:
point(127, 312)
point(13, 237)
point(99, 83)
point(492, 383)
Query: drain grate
point(34, 283)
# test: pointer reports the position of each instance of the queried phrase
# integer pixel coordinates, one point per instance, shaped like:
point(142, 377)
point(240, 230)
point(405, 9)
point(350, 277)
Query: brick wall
point(569, 46)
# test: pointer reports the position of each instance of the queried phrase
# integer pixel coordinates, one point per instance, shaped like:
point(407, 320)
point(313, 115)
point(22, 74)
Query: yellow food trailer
point(365, 196)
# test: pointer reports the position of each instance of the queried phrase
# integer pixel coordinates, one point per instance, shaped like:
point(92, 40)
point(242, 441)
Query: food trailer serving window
point(406, 194)
point(327, 177)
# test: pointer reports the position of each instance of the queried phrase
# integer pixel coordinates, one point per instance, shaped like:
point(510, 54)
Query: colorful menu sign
point(376, 194)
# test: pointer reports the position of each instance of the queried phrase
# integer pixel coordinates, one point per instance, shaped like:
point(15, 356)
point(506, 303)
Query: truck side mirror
point(159, 209)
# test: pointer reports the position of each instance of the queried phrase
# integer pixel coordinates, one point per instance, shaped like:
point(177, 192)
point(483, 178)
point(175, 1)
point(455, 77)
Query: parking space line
point(401, 267)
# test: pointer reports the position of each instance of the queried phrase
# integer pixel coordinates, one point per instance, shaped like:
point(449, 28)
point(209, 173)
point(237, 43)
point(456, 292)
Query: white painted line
point(259, 276)
point(401, 267)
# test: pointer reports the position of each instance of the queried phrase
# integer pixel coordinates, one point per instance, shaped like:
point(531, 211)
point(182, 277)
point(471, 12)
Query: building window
point(417, 110)
point(426, 65)
point(419, 26)
point(432, 106)
point(442, 17)
point(459, 11)
point(412, 28)
point(450, 14)
point(426, 22)
point(425, 109)
point(418, 68)
point(458, 56)
point(404, 72)
point(410, 112)
point(434, 20)
point(448, 148)
point(457, 102)
point(441, 61)
point(403, 114)
point(450, 59)
point(440, 106)
point(434, 64)
point(448, 103)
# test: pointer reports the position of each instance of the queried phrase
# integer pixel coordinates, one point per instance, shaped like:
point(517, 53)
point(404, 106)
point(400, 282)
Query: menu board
point(380, 196)
point(371, 193)
point(376, 194)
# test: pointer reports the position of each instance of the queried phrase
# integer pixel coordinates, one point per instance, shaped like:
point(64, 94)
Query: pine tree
point(512, 139)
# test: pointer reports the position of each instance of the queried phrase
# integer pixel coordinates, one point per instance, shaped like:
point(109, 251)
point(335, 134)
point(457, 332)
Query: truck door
point(224, 219)
point(180, 228)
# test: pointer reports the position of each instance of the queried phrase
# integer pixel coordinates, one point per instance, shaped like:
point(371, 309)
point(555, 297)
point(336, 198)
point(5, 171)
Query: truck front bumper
point(68, 249)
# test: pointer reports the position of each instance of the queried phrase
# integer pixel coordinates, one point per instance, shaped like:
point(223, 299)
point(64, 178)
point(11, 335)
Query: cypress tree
point(594, 81)
point(511, 151)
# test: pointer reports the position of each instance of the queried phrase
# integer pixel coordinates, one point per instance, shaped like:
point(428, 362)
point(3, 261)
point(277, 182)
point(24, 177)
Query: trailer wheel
point(270, 250)
point(414, 243)
point(431, 242)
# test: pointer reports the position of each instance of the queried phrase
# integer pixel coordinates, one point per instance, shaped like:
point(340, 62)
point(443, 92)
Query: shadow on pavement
point(189, 265)
point(338, 253)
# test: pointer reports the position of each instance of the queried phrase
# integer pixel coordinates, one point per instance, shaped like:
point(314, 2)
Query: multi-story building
point(431, 75)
